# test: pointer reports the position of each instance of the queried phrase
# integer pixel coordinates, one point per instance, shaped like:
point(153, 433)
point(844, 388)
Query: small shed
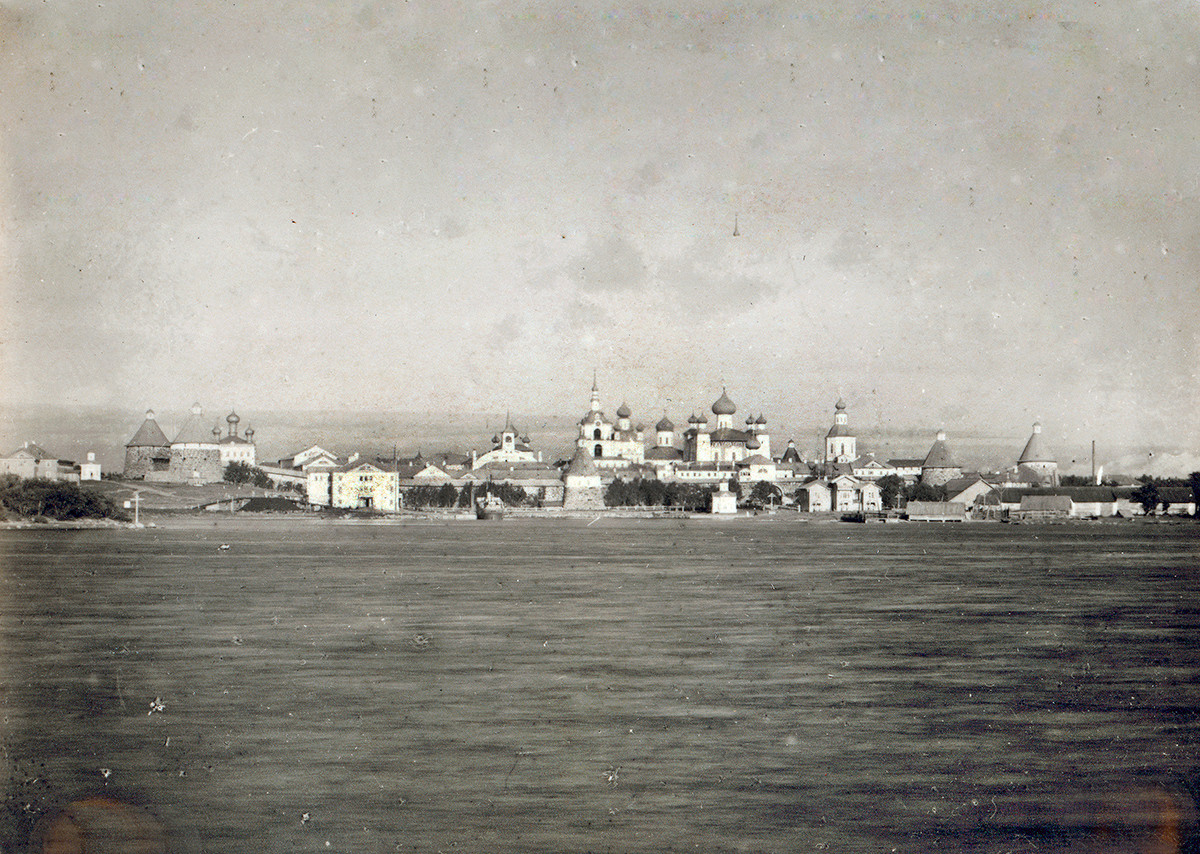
point(937, 511)
point(1037, 507)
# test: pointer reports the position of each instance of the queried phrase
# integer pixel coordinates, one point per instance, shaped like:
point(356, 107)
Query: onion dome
point(840, 405)
point(665, 426)
point(749, 420)
point(693, 419)
point(761, 419)
point(623, 411)
point(640, 427)
point(495, 440)
point(216, 431)
point(232, 418)
point(701, 419)
point(250, 434)
point(723, 405)
point(752, 444)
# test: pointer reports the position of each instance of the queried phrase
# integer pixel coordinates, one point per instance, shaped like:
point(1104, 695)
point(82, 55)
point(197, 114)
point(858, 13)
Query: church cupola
point(724, 409)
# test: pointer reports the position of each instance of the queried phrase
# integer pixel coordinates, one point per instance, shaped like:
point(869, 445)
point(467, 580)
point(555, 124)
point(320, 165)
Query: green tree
point(238, 472)
point(618, 494)
point(447, 495)
point(54, 500)
point(926, 492)
point(891, 487)
point(764, 493)
point(1146, 495)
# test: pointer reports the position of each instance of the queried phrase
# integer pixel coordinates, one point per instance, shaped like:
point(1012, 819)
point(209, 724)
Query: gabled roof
point(958, 484)
point(869, 461)
point(31, 451)
point(906, 464)
point(658, 452)
point(149, 435)
point(1058, 503)
point(757, 460)
point(362, 465)
point(1175, 494)
point(728, 434)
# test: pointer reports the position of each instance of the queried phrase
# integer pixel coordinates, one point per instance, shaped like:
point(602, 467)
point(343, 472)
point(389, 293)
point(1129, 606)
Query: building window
point(596, 435)
point(599, 451)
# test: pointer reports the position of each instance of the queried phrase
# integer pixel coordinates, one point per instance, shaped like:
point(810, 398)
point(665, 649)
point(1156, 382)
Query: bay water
point(610, 685)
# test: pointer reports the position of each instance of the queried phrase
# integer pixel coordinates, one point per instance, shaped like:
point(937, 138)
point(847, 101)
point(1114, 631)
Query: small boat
point(490, 508)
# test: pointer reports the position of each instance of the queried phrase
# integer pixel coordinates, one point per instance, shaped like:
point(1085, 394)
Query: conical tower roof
point(581, 465)
point(149, 435)
point(939, 455)
point(1035, 451)
point(193, 431)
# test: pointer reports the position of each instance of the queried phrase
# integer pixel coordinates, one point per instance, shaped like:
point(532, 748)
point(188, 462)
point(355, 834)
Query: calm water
point(541, 686)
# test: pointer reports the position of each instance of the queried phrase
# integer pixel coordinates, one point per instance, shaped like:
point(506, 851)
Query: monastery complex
point(726, 456)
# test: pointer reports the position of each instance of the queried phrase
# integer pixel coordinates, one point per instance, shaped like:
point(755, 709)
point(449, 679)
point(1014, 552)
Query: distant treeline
point(51, 499)
point(446, 495)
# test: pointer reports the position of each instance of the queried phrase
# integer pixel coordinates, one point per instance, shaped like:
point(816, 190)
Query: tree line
point(444, 496)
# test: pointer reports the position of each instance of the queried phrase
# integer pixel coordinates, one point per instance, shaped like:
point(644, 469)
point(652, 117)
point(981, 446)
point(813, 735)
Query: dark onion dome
point(761, 419)
point(701, 419)
point(232, 418)
point(752, 444)
point(1034, 451)
point(639, 427)
point(723, 405)
point(693, 419)
point(149, 435)
point(840, 425)
point(495, 440)
point(623, 411)
point(665, 426)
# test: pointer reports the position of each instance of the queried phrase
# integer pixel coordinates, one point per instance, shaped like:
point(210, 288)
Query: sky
point(953, 215)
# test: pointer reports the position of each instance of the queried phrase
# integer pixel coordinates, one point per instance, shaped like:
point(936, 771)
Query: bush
point(53, 500)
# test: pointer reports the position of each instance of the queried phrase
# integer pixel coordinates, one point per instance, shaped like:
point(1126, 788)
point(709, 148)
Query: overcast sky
point(951, 214)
